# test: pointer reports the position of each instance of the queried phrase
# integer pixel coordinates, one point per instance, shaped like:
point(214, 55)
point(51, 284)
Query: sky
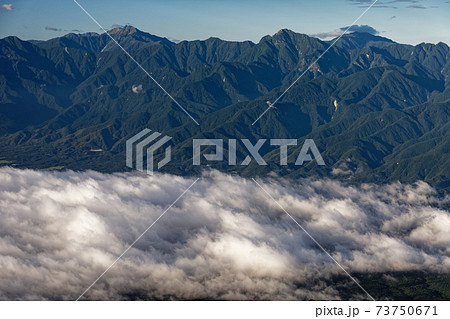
point(404, 21)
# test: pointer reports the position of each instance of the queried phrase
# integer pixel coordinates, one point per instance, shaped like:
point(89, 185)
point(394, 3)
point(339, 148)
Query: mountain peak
point(281, 31)
point(134, 38)
point(286, 33)
point(126, 30)
point(289, 35)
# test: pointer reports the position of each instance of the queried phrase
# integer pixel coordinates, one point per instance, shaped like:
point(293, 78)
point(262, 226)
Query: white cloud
point(7, 7)
point(225, 239)
point(137, 88)
point(351, 29)
point(341, 169)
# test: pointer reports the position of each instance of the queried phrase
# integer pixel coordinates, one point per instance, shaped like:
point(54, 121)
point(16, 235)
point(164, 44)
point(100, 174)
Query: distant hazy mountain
point(378, 110)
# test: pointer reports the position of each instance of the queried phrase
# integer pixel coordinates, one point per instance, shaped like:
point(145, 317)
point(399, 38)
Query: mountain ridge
point(367, 102)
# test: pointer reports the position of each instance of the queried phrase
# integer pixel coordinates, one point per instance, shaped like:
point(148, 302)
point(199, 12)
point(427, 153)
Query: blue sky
point(406, 21)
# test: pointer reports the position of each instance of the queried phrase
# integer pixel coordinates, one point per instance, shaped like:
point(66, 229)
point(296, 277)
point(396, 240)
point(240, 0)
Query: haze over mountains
point(377, 110)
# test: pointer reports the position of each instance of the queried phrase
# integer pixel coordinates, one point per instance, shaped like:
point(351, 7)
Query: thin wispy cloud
point(367, 3)
point(393, 4)
point(225, 240)
point(49, 28)
point(416, 7)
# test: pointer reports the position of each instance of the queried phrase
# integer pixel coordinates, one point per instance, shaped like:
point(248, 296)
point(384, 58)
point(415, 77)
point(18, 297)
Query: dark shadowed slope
point(377, 110)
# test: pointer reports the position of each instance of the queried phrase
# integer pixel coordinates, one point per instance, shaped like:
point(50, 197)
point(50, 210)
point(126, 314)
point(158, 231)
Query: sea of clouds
point(224, 239)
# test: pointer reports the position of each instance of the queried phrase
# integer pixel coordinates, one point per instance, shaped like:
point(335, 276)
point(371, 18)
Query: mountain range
point(377, 110)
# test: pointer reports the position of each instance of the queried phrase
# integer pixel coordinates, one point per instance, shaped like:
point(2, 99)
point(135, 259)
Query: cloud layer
point(225, 239)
